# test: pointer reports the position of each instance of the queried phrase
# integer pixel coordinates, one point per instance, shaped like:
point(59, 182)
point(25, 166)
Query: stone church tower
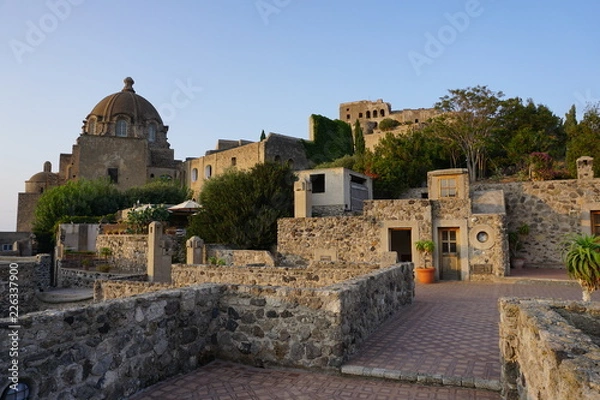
point(123, 139)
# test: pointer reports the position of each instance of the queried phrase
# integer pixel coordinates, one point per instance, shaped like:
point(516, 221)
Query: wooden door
point(449, 254)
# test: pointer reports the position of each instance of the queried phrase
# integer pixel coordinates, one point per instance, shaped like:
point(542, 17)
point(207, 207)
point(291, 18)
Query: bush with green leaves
point(388, 124)
point(139, 219)
point(241, 208)
point(582, 259)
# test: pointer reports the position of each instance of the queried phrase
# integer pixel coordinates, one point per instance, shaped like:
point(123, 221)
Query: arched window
point(290, 163)
point(278, 159)
point(374, 113)
point(152, 132)
point(20, 392)
point(207, 172)
point(382, 113)
point(91, 128)
point(368, 114)
point(194, 174)
point(121, 129)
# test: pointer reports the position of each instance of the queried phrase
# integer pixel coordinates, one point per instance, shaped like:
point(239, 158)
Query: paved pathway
point(448, 336)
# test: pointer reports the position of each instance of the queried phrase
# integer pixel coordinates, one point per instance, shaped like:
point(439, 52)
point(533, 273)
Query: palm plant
point(582, 259)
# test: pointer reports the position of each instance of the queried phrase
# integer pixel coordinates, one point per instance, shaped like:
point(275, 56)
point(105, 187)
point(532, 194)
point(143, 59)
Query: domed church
point(123, 138)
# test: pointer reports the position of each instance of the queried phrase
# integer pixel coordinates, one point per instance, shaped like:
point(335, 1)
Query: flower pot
point(517, 263)
point(425, 275)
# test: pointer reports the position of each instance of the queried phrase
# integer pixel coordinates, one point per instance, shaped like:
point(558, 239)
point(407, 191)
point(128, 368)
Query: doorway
point(449, 254)
point(401, 243)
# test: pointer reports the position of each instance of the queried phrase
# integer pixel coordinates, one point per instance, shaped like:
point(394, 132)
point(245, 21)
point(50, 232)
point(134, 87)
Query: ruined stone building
point(371, 113)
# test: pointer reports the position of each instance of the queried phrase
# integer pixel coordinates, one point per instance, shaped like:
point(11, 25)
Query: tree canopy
point(241, 208)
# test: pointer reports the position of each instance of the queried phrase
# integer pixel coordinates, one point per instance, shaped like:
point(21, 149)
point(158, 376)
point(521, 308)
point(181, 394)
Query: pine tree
point(359, 140)
point(262, 135)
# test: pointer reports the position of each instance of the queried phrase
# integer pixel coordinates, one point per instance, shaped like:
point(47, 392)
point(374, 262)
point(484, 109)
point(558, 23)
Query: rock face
point(116, 347)
point(549, 349)
point(30, 275)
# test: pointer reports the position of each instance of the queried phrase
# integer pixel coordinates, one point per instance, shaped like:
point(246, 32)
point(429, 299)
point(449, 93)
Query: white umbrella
point(188, 205)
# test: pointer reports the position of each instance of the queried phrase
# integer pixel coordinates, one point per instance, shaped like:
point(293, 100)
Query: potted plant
point(425, 272)
point(515, 245)
point(582, 259)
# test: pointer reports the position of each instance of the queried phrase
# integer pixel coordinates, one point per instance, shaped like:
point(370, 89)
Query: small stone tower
point(585, 169)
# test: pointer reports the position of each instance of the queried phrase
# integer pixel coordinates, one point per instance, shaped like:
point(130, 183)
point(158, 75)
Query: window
point(121, 129)
point(416, 120)
point(233, 161)
point(347, 116)
point(194, 174)
point(382, 113)
point(360, 115)
point(7, 247)
point(448, 187)
point(374, 113)
point(113, 175)
point(368, 114)
point(92, 126)
point(318, 183)
point(449, 241)
point(290, 163)
point(20, 392)
point(152, 132)
point(277, 159)
point(595, 222)
point(207, 172)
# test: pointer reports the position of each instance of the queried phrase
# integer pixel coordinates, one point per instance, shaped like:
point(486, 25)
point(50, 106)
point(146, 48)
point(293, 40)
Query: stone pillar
point(159, 262)
point(585, 166)
point(302, 199)
point(195, 250)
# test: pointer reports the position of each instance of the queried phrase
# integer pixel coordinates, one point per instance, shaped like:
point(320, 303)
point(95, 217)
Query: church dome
point(42, 181)
point(125, 114)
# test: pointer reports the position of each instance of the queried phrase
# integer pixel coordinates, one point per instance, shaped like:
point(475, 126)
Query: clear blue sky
point(251, 65)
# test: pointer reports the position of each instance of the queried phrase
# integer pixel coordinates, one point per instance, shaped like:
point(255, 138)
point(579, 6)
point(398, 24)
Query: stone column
point(302, 199)
point(585, 168)
point(195, 250)
point(159, 262)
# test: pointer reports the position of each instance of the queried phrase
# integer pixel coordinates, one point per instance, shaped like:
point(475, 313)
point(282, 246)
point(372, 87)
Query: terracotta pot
point(425, 275)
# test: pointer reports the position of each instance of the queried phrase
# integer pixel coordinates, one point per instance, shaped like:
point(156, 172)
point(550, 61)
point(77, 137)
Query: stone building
point(123, 139)
point(467, 227)
point(371, 113)
point(242, 155)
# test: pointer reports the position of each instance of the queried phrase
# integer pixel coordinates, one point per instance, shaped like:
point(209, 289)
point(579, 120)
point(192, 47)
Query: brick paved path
point(449, 335)
point(222, 380)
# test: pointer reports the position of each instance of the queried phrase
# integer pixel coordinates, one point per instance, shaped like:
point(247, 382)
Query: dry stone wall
point(113, 349)
point(31, 275)
point(309, 327)
point(129, 252)
point(549, 349)
point(552, 209)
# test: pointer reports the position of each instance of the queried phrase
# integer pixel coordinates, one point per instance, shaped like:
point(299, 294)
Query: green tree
point(158, 191)
point(138, 220)
point(262, 135)
point(241, 208)
point(388, 124)
point(359, 140)
point(331, 139)
point(75, 198)
point(582, 259)
point(468, 120)
point(584, 140)
point(523, 129)
point(402, 162)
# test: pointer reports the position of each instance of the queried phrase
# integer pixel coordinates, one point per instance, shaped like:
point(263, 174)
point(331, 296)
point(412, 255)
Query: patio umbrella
point(186, 206)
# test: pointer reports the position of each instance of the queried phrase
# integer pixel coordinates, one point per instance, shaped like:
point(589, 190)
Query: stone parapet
point(549, 349)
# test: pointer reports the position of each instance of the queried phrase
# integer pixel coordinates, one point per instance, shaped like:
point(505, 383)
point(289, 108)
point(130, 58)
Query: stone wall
point(318, 275)
point(238, 257)
point(488, 259)
point(129, 252)
point(311, 327)
point(33, 275)
point(115, 348)
point(78, 278)
point(549, 349)
point(552, 209)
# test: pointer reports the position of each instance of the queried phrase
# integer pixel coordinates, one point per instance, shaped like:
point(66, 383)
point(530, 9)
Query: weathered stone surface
point(545, 354)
